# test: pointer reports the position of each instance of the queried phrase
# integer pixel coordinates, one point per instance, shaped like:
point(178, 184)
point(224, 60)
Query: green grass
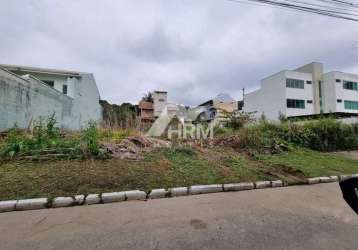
point(171, 167)
point(159, 168)
point(312, 163)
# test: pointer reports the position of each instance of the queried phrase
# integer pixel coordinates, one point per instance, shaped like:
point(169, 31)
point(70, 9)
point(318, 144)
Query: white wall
point(58, 80)
point(24, 100)
point(271, 99)
point(159, 102)
point(336, 91)
point(300, 94)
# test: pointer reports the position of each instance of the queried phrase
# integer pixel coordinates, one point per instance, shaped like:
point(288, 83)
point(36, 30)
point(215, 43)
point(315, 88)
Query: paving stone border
point(41, 203)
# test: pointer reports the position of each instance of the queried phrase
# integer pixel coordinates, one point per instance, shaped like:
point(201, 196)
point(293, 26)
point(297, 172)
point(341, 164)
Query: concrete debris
point(131, 147)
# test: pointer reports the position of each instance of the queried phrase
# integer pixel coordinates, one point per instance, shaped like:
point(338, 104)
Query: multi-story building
point(304, 91)
point(28, 94)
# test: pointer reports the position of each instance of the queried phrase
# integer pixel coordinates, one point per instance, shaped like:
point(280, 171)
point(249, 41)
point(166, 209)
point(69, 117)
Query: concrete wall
point(25, 99)
point(316, 70)
point(271, 98)
point(300, 94)
point(159, 102)
point(334, 90)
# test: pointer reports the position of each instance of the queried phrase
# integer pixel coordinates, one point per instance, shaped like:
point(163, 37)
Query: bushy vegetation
point(325, 134)
point(122, 116)
point(46, 141)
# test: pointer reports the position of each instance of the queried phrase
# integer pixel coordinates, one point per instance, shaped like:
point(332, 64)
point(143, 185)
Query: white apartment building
point(304, 91)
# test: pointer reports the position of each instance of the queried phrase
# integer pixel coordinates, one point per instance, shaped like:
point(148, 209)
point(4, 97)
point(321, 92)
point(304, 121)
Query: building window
point(309, 82)
point(295, 83)
point(351, 105)
point(320, 96)
point(350, 85)
point(309, 101)
point(161, 100)
point(338, 80)
point(339, 100)
point(64, 89)
point(49, 83)
point(296, 104)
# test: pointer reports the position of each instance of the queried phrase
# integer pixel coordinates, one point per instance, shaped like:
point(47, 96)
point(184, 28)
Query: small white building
point(29, 93)
point(160, 100)
point(304, 91)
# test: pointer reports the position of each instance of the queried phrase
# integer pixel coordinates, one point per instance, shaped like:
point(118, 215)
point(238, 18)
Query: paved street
point(300, 217)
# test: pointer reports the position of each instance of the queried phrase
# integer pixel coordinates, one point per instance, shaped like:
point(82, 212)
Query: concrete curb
point(7, 206)
point(113, 197)
point(206, 189)
point(92, 199)
point(239, 186)
point(178, 191)
point(31, 204)
point(41, 203)
point(262, 184)
point(62, 202)
point(135, 195)
point(157, 194)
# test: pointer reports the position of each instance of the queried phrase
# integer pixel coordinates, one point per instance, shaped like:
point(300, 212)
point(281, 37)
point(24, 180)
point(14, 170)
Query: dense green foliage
point(47, 140)
point(325, 134)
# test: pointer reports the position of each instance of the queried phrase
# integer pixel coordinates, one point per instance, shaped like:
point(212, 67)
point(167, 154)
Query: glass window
point(309, 82)
point(49, 83)
point(295, 83)
point(309, 101)
point(351, 105)
point(339, 100)
point(338, 80)
point(350, 85)
point(296, 104)
point(64, 89)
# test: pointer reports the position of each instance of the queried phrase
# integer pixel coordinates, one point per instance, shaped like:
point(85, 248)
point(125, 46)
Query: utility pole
point(243, 96)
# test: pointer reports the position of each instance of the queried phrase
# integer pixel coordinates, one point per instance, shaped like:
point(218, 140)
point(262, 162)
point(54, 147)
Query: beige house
point(222, 103)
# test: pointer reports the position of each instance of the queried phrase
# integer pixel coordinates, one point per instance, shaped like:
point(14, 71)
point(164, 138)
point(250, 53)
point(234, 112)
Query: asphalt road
point(300, 217)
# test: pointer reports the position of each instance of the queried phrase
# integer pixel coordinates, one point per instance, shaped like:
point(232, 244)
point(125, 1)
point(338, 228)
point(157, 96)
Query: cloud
point(192, 49)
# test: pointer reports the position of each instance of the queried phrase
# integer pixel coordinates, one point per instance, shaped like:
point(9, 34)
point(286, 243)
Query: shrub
point(90, 137)
point(325, 134)
point(238, 119)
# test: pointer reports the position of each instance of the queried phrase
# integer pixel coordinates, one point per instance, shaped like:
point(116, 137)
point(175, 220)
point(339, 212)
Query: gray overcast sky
point(192, 49)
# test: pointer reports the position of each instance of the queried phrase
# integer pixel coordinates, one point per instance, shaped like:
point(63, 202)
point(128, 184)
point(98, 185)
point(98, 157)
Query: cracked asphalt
point(298, 217)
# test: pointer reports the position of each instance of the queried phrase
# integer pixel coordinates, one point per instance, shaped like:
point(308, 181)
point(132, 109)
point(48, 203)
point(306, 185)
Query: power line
point(330, 10)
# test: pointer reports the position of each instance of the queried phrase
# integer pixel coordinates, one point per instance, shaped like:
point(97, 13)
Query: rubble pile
point(131, 147)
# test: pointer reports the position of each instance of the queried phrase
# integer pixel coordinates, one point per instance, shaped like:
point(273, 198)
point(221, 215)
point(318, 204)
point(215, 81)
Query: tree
point(148, 97)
